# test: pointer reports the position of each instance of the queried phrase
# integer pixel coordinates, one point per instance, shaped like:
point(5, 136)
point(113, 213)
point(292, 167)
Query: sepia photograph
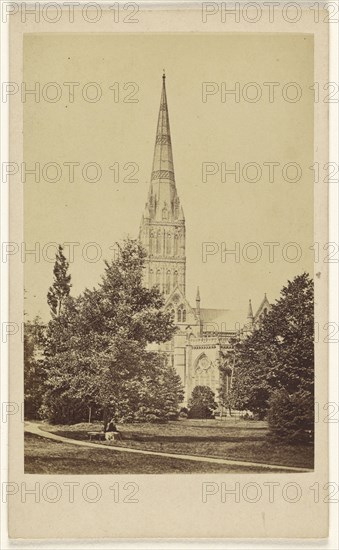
point(169, 253)
point(171, 313)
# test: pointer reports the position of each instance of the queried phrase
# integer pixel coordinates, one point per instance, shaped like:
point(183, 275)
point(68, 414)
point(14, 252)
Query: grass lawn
point(229, 439)
point(43, 456)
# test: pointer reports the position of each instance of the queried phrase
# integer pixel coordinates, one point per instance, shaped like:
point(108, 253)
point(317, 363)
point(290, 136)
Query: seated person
point(111, 426)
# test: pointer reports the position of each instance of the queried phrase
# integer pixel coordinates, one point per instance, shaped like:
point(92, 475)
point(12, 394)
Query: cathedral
point(203, 336)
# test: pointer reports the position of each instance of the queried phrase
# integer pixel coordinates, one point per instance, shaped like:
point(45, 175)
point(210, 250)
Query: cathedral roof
point(221, 320)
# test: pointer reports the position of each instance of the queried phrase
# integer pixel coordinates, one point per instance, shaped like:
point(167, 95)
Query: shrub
point(202, 403)
point(183, 415)
point(199, 410)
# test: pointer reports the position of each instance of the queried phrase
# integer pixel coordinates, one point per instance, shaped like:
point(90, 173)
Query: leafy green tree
point(202, 403)
point(250, 381)
point(151, 390)
point(62, 307)
point(279, 357)
point(101, 358)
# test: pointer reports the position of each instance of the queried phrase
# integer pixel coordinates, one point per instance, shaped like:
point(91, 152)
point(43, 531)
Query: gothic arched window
point(168, 282)
point(158, 277)
point(176, 208)
point(169, 244)
point(158, 242)
point(181, 314)
point(176, 248)
point(175, 279)
point(165, 212)
point(203, 371)
point(151, 277)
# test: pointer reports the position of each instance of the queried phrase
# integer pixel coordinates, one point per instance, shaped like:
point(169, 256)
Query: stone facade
point(203, 336)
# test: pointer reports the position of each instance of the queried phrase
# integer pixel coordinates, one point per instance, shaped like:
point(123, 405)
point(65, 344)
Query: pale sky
point(113, 131)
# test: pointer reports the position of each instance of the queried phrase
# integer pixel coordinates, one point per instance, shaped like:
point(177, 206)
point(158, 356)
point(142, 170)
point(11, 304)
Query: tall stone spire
point(162, 228)
point(163, 201)
point(163, 158)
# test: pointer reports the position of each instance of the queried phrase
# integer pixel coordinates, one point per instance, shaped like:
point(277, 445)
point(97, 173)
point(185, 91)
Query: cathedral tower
point(162, 227)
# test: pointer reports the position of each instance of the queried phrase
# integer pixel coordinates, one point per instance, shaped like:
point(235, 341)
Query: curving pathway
point(34, 428)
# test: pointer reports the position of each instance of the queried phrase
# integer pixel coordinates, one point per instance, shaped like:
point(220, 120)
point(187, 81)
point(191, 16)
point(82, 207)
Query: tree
point(276, 362)
point(34, 375)
point(101, 358)
point(250, 382)
point(59, 291)
point(151, 396)
point(202, 403)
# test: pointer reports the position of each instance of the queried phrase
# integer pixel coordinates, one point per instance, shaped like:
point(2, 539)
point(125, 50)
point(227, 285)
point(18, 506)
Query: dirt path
point(33, 428)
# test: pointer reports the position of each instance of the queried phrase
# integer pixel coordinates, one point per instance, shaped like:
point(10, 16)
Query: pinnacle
point(250, 310)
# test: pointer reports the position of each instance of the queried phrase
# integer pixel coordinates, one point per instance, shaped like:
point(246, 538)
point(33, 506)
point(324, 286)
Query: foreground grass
point(44, 456)
point(236, 440)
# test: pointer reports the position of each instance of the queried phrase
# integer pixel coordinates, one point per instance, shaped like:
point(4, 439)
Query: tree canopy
point(97, 348)
point(275, 363)
point(60, 289)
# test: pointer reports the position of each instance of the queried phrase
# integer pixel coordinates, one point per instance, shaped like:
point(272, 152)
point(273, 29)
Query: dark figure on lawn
point(111, 426)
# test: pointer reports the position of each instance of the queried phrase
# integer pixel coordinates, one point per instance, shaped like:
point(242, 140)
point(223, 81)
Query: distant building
point(203, 335)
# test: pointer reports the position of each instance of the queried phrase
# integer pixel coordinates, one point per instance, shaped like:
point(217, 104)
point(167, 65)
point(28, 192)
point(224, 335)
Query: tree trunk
point(89, 414)
point(106, 418)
